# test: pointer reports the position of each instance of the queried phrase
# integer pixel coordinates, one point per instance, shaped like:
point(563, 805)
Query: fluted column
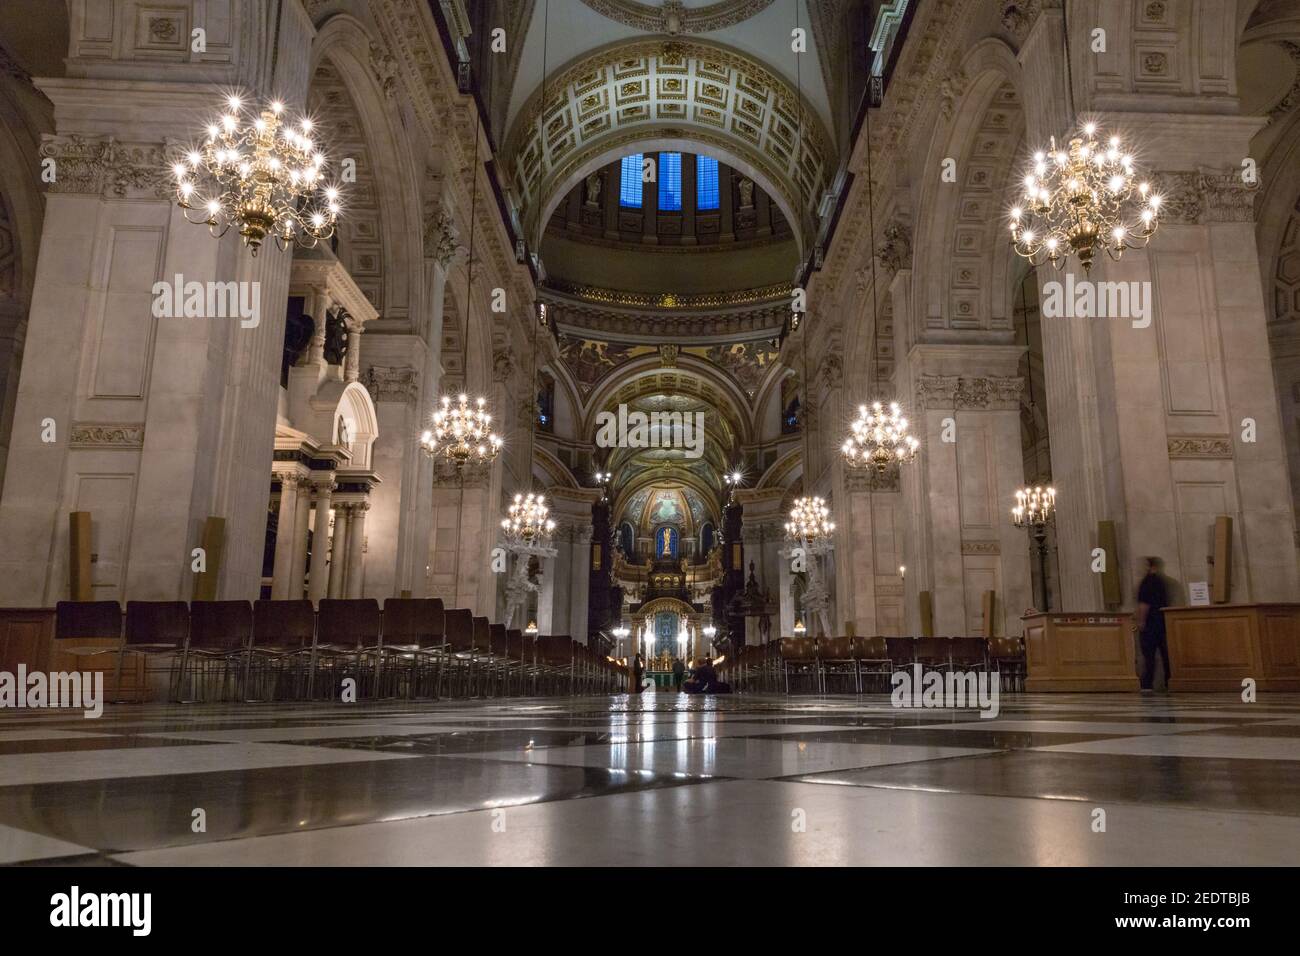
point(284, 539)
point(352, 362)
point(319, 315)
point(356, 548)
point(301, 524)
point(339, 549)
point(320, 550)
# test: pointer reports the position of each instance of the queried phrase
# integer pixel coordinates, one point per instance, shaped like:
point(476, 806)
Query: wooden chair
point(414, 634)
point(874, 664)
point(348, 630)
point(155, 627)
point(220, 634)
point(284, 633)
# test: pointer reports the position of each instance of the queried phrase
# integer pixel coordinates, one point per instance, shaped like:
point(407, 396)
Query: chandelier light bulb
point(879, 437)
point(252, 173)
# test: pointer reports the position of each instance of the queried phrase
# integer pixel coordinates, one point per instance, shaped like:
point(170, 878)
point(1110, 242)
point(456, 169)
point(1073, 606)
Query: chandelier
point(879, 438)
point(810, 520)
point(259, 173)
point(461, 434)
point(1034, 507)
point(1081, 200)
point(527, 523)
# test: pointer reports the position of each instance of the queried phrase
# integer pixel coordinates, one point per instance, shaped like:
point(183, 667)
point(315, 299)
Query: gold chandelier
point(879, 438)
point(1081, 200)
point(259, 173)
point(527, 521)
point(810, 520)
point(461, 434)
point(1034, 507)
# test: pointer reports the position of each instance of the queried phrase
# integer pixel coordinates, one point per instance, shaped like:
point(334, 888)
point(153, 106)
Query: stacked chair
point(291, 650)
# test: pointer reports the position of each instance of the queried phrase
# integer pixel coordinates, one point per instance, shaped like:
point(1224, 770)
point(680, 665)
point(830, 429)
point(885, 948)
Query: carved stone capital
point(1202, 196)
point(393, 384)
point(982, 392)
point(504, 364)
point(102, 166)
point(869, 479)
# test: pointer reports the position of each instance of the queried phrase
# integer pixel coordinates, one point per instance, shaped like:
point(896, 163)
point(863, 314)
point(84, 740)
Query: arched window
point(670, 182)
point(629, 188)
point(706, 539)
point(706, 182)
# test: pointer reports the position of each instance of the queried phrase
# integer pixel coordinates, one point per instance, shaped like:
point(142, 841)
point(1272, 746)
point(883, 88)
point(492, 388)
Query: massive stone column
point(968, 413)
point(160, 422)
point(338, 550)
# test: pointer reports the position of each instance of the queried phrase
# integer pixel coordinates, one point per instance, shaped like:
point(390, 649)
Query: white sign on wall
point(1198, 593)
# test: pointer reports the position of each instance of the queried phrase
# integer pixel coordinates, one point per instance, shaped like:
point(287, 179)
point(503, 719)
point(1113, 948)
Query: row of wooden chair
point(266, 650)
point(850, 664)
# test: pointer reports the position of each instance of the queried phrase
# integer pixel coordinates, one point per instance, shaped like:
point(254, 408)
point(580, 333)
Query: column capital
point(103, 166)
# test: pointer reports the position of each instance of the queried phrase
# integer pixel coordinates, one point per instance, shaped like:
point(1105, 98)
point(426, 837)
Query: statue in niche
point(345, 433)
point(746, 193)
point(336, 337)
point(594, 184)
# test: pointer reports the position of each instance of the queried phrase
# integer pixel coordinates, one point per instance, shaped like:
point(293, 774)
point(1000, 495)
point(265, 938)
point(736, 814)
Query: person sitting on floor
point(704, 680)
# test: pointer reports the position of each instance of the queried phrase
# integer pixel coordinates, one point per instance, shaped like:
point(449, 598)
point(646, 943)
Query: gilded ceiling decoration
point(716, 98)
point(675, 17)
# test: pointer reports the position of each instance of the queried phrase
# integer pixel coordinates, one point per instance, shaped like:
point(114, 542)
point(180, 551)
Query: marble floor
point(1088, 779)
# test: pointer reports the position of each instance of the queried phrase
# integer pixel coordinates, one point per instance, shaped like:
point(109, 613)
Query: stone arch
point(699, 94)
point(356, 413)
point(959, 257)
point(382, 233)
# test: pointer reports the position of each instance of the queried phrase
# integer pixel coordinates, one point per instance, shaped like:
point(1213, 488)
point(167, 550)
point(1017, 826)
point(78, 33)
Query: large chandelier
point(259, 173)
point(1034, 507)
point(810, 520)
point(461, 434)
point(879, 438)
point(527, 522)
point(1081, 200)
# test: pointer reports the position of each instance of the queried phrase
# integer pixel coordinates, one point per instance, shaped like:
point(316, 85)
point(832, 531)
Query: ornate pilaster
point(103, 166)
point(398, 384)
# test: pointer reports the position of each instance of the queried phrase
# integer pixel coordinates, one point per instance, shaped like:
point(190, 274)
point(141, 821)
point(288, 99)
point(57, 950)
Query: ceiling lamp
point(810, 521)
point(461, 434)
point(261, 174)
point(527, 522)
point(879, 438)
point(1081, 200)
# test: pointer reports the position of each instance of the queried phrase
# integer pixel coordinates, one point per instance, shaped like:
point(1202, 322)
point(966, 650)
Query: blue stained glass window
point(670, 182)
point(706, 182)
point(629, 191)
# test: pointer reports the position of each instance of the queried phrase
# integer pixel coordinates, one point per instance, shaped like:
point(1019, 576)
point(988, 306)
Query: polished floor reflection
point(658, 780)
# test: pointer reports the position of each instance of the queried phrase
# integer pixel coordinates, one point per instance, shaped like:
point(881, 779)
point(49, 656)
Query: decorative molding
point(1207, 196)
point(671, 300)
point(830, 373)
point(387, 383)
point(1019, 15)
point(1200, 446)
point(992, 392)
point(869, 479)
point(895, 249)
point(668, 355)
point(107, 436)
point(981, 547)
point(1292, 98)
point(674, 17)
point(441, 238)
point(503, 364)
point(384, 65)
point(102, 166)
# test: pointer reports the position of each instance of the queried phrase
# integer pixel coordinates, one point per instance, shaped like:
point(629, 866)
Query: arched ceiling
point(670, 94)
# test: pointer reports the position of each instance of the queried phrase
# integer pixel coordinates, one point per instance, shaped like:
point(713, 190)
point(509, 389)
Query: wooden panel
point(25, 636)
point(1079, 652)
point(1215, 648)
